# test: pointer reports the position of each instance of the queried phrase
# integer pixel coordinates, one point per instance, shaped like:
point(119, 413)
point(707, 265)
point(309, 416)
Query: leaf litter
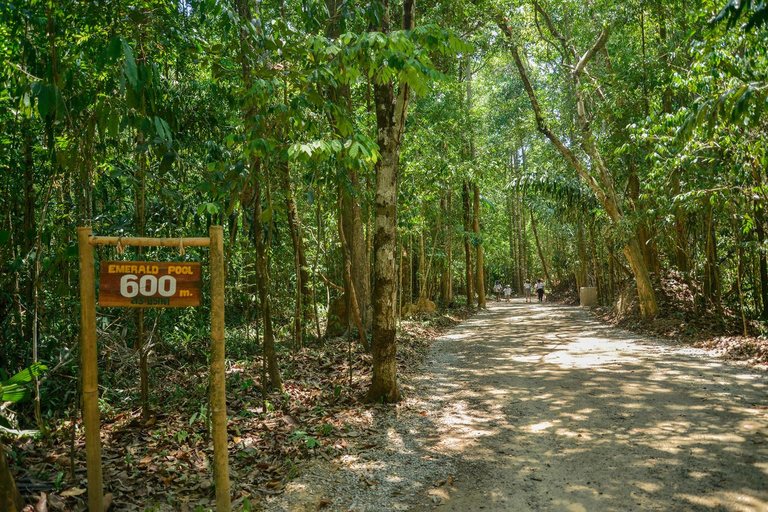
point(318, 423)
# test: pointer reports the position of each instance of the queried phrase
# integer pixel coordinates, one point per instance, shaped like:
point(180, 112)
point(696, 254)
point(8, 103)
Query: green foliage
point(15, 389)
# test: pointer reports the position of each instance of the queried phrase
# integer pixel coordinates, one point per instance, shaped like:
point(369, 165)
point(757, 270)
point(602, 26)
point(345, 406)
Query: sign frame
point(89, 356)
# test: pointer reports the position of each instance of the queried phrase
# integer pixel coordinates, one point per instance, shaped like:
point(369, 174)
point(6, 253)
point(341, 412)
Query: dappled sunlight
point(457, 336)
point(539, 427)
point(721, 500)
point(587, 416)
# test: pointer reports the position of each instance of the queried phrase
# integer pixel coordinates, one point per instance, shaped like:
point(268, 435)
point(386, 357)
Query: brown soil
point(540, 407)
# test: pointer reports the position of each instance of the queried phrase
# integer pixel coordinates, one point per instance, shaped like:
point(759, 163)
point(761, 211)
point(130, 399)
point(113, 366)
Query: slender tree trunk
point(303, 296)
point(596, 266)
point(760, 232)
point(449, 247)
point(262, 278)
point(444, 227)
point(480, 260)
point(514, 258)
point(470, 280)
point(351, 194)
point(583, 268)
point(712, 288)
point(353, 231)
point(538, 247)
point(29, 226)
point(353, 302)
point(522, 238)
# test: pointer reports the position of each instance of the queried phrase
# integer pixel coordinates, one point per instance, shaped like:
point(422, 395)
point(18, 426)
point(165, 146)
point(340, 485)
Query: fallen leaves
point(168, 458)
point(75, 491)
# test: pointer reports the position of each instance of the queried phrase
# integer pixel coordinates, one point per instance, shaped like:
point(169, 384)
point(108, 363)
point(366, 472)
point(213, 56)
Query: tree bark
point(538, 247)
point(596, 264)
point(351, 194)
point(583, 268)
point(760, 232)
point(391, 112)
point(10, 499)
point(304, 296)
point(446, 278)
point(351, 288)
point(262, 278)
point(470, 280)
point(480, 260)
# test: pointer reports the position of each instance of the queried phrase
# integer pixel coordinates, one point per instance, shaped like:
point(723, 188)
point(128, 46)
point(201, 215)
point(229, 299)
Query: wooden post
point(218, 377)
point(90, 371)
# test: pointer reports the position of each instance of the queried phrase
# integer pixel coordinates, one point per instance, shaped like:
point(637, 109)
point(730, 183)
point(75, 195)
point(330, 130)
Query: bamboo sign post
point(147, 284)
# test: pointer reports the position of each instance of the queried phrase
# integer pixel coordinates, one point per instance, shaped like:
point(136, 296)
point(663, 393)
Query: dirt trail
point(549, 410)
point(535, 407)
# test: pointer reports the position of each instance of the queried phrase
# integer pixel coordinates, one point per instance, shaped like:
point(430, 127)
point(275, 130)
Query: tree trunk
point(760, 232)
point(384, 385)
point(644, 236)
point(391, 112)
point(353, 232)
point(254, 186)
point(739, 266)
point(538, 247)
point(262, 278)
point(596, 264)
point(350, 286)
point(304, 296)
point(522, 238)
point(10, 499)
point(446, 289)
point(480, 260)
point(351, 192)
point(514, 258)
point(470, 280)
point(583, 268)
point(711, 265)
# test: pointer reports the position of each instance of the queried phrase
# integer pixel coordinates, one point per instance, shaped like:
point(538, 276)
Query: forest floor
point(541, 407)
point(520, 407)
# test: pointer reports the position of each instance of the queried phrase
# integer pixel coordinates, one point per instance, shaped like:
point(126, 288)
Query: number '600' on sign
point(149, 284)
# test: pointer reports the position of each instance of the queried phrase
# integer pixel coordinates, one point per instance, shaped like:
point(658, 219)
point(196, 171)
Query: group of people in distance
point(527, 288)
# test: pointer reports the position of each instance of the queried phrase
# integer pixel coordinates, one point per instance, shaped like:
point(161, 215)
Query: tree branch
point(592, 51)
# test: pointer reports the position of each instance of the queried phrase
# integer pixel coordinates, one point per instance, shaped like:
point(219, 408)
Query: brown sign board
point(149, 284)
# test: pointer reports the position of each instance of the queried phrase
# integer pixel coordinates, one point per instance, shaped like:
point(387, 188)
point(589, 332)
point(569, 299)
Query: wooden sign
point(149, 284)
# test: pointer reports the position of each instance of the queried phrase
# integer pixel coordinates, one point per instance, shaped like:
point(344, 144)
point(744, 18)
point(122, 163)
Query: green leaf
point(46, 100)
point(5, 235)
point(26, 376)
point(13, 393)
point(131, 71)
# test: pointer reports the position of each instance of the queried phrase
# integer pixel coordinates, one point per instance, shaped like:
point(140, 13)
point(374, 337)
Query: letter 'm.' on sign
point(149, 284)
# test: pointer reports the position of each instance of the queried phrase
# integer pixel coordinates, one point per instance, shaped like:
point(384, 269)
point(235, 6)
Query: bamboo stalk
point(150, 242)
point(218, 377)
point(89, 372)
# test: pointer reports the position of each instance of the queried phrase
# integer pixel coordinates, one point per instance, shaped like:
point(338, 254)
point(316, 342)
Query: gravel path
point(539, 407)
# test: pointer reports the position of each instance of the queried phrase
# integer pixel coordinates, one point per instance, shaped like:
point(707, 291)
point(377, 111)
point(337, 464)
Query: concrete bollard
point(588, 296)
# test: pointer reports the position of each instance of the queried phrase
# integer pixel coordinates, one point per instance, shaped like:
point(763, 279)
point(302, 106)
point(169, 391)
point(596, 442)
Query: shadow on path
point(543, 408)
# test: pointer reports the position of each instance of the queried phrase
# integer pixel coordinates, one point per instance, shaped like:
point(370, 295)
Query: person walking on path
point(527, 289)
point(497, 290)
point(540, 289)
point(507, 293)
